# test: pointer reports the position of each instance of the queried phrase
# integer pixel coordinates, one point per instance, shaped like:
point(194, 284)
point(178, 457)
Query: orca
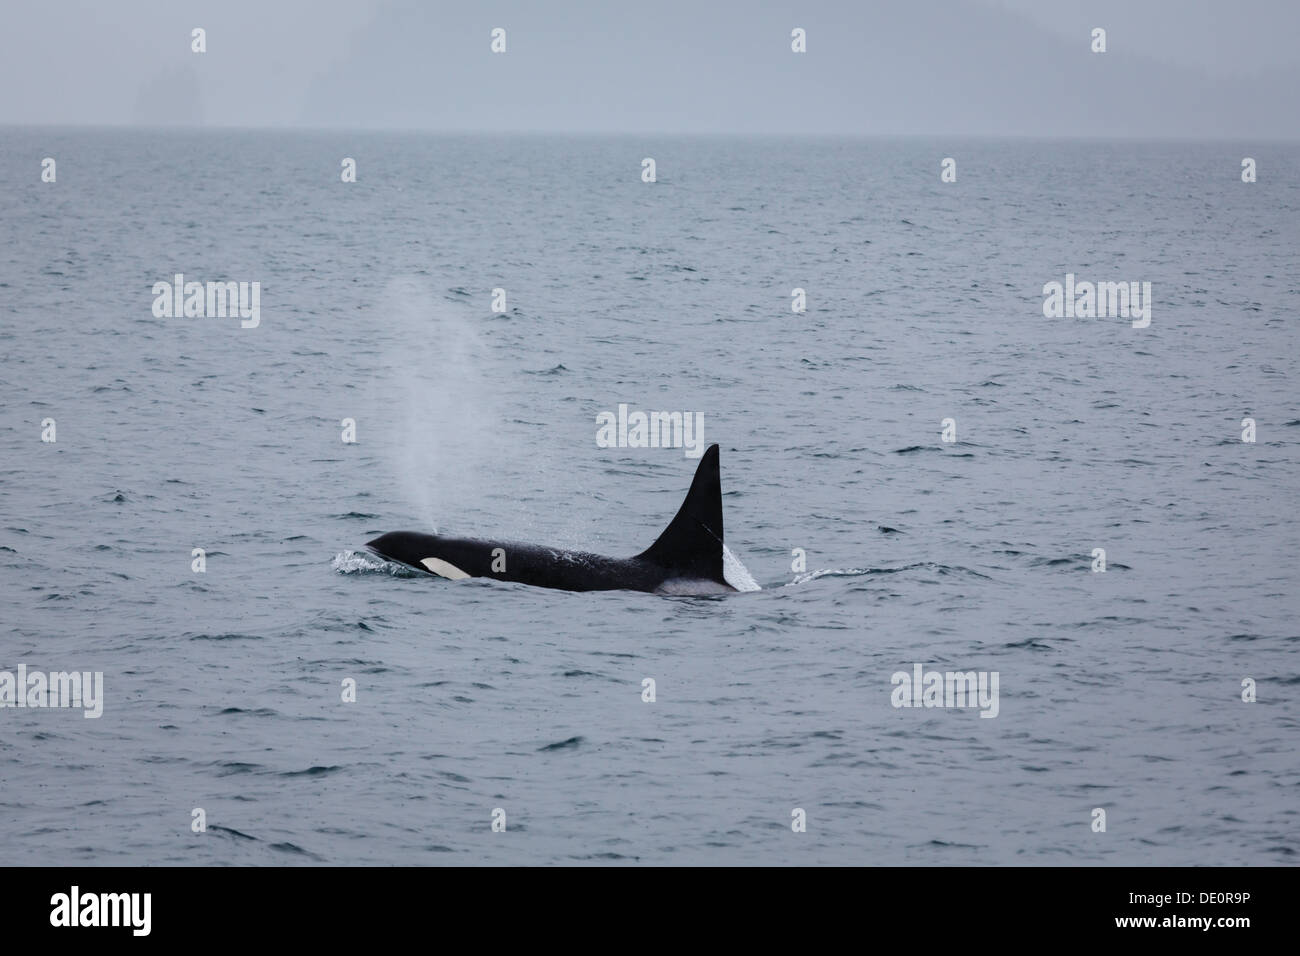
point(686, 559)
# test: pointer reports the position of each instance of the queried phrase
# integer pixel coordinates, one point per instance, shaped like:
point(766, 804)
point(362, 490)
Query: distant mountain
point(954, 67)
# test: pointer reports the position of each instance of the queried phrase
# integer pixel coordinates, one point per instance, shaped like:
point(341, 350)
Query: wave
point(941, 569)
point(363, 562)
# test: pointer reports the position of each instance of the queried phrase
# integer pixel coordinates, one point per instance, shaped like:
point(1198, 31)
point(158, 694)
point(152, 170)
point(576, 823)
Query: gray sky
point(1182, 68)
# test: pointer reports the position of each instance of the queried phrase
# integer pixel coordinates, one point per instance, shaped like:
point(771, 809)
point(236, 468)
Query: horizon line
point(739, 133)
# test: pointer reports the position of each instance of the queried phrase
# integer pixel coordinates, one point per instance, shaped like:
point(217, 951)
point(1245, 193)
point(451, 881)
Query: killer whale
point(687, 558)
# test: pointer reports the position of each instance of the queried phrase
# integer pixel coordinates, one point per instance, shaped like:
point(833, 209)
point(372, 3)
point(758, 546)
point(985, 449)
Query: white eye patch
point(444, 569)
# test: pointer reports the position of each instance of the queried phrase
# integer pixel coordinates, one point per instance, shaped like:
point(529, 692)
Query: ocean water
point(1120, 691)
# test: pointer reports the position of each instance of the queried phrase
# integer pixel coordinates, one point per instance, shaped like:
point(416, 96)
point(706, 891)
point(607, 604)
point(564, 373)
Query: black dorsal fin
point(691, 546)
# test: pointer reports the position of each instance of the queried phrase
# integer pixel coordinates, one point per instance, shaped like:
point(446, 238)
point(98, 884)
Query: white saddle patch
point(444, 569)
point(697, 587)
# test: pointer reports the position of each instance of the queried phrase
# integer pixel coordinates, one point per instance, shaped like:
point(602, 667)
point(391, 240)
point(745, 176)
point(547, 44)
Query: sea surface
point(878, 545)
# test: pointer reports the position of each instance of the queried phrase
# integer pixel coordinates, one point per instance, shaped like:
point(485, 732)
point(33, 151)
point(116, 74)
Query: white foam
point(363, 562)
point(735, 573)
point(828, 572)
